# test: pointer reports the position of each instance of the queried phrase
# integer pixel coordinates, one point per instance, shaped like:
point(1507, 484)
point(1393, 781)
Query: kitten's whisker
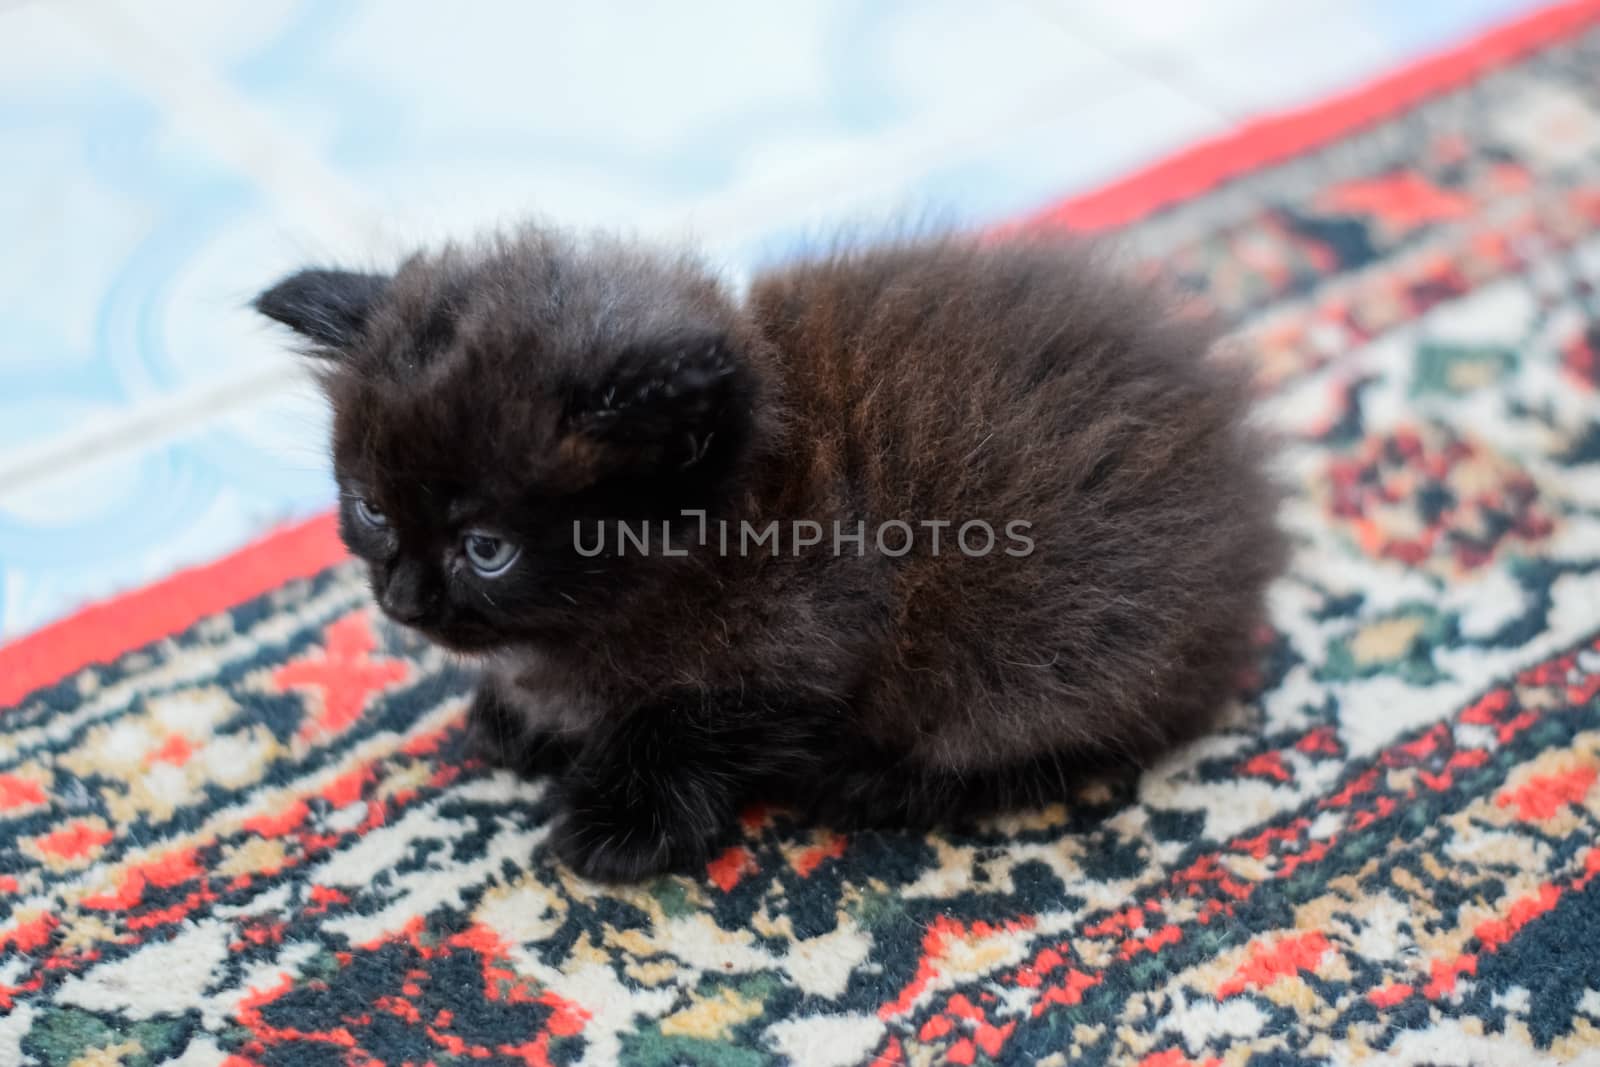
point(975, 451)
point(1037, 666)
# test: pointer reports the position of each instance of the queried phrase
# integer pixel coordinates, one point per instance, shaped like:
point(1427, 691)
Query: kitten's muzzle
point(408, 597)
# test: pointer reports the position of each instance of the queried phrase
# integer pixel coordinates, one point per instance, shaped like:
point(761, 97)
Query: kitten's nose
point(406, 596)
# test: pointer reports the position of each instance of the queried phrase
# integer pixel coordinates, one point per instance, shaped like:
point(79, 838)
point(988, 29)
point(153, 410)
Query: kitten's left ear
point(673, 394)
point(329, 306)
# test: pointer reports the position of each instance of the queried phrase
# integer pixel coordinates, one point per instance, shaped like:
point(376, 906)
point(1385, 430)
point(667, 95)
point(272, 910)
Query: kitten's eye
point(489, 555)
point(369, 514)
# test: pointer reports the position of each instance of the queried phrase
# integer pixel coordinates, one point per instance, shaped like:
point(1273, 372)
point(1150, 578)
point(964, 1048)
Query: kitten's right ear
point(329, 306)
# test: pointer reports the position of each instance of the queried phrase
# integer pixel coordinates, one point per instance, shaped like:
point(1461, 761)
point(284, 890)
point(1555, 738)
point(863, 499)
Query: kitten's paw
point(605, 838)
point(611, 854)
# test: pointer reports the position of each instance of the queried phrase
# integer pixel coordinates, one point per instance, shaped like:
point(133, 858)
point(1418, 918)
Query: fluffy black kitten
point(499, 409)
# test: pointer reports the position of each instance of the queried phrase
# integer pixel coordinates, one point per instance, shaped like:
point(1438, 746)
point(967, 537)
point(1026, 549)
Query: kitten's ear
point(674, 394)
point(328, 306)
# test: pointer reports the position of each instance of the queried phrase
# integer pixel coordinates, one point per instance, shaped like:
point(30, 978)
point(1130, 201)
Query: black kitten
point(961, 515)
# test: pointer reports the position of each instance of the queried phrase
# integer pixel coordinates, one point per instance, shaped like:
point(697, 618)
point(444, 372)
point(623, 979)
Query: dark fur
point(536, 379)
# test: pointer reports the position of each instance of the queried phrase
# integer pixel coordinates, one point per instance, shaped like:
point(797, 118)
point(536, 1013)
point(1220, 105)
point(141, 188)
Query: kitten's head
point(484, 400)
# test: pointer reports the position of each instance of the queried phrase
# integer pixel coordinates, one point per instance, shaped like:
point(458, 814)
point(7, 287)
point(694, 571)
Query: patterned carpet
point(254, 838)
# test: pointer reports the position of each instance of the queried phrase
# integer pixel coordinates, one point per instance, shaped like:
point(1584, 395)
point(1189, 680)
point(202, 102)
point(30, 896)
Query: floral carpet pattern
point(237, 825)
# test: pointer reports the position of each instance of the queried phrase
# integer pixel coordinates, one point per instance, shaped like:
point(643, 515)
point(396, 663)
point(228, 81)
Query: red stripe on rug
point(103, 631)
point(1276, 138)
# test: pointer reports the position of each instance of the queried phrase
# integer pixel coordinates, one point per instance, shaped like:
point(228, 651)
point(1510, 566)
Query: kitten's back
point(1022, 380)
